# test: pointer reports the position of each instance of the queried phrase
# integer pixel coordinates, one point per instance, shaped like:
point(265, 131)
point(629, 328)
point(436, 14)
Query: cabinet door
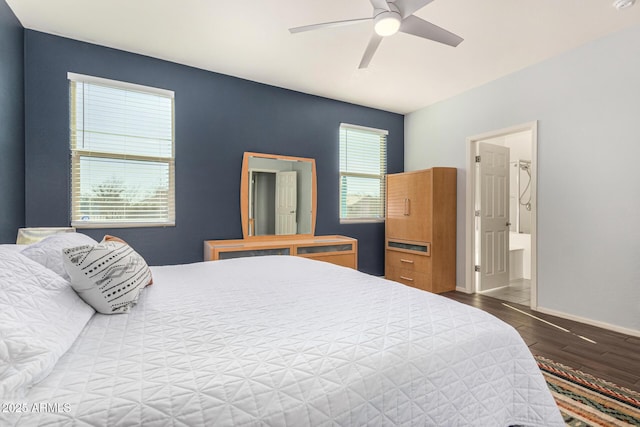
point(409, 206)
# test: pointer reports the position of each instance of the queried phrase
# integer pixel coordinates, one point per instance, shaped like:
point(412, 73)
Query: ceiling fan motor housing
point(387, 22)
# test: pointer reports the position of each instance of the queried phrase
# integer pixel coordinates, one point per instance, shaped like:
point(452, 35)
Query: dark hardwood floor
point(614, 357)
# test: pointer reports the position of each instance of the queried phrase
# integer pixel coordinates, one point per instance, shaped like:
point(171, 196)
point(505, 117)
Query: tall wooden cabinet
point(420, 233)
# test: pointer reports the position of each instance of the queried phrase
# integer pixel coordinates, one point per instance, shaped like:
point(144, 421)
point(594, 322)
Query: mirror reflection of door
point(273, 203)
point(286, 202)
point(260, 213)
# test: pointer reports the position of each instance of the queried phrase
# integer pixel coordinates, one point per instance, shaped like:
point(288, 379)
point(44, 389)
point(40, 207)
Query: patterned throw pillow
point(109, 238)
point(108, 276)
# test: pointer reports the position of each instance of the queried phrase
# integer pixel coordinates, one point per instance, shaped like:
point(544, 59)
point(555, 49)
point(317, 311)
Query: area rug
point(587, 401)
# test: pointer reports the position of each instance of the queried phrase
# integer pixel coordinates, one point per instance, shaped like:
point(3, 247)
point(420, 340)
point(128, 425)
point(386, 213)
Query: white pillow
point(13, 247)
point(109, 276)
point(40, 318)
point(48, 251)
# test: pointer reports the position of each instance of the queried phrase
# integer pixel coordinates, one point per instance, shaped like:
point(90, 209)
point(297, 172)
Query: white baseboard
point(463, 290)
point(604, 325)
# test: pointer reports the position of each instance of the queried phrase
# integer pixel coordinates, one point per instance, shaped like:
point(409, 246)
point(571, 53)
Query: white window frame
point(77, 153)
point(382, 176)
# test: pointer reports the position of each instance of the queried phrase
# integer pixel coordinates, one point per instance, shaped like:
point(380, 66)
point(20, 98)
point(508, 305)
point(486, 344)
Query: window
point(122, 154)
point(363, 164)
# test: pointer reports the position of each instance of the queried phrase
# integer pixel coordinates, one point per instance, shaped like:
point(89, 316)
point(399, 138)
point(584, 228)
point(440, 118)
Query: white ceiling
point(250, 39)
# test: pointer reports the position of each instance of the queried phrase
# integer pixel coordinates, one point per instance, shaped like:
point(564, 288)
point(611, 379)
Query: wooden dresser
point(420, 231)
point(338, 250)
point(279, 217)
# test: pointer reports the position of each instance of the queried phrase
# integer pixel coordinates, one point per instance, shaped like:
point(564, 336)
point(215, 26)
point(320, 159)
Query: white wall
point(519, 144)
point(587, 103)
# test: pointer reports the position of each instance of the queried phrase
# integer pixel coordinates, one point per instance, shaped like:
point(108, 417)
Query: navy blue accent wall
point(11, 124)
point(217, 119)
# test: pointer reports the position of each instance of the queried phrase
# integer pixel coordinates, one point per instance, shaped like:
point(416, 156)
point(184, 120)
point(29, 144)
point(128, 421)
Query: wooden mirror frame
point(244, 196)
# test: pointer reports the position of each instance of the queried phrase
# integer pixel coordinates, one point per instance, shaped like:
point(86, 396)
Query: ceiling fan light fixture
point(387, 23)
point(623, 4)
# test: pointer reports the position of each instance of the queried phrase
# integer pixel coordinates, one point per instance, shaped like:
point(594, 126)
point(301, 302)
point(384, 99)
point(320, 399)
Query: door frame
point(251, 195)
point(471, 147)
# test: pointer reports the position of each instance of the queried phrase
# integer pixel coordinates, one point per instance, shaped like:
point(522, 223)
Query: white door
point(286, 202)
point(494, 216)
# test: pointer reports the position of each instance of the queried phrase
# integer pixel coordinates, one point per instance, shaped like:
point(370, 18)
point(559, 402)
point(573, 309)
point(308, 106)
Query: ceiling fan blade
point(327, 25)
point(421, 28)
point(380, 4)
point(407, 7)
point(371, 49)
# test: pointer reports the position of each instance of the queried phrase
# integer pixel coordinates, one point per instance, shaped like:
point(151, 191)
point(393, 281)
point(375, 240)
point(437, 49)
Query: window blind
point(363, 165)
point(122, 154)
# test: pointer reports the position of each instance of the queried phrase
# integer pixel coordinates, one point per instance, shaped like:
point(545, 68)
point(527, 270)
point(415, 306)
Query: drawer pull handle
point(408, 261)
point(408, 279)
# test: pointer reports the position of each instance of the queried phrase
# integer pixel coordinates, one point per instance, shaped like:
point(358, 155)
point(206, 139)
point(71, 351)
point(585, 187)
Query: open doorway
point(501, 214)
point(272, 202)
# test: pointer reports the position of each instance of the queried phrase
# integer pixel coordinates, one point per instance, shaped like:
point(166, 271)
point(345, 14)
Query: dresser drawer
point(407, 261)
point(233, 253)
point(409, 277)
point(346, 260)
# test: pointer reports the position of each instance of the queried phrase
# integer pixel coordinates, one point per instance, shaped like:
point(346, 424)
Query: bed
point(286, 341)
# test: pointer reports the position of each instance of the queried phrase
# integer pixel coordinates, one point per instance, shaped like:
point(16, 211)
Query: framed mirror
point(277, 196)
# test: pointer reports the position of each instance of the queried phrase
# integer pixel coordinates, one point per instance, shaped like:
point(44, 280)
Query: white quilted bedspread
point(285, 341)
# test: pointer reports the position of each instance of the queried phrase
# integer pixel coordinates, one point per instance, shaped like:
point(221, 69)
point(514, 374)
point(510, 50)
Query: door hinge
point(476, 269)
point(477, 159)
point(477, 213)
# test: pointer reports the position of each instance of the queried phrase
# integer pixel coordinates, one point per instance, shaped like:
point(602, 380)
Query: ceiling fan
point(389, 17)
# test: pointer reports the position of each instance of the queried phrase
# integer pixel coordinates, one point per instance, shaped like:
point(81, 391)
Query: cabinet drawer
point(409, 278)
point(407, 261)
point(414, 247)
point(345, 260)
point(318, 249)
point(229, 254)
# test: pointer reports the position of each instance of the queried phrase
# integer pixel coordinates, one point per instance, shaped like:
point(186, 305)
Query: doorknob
point(508, 223)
